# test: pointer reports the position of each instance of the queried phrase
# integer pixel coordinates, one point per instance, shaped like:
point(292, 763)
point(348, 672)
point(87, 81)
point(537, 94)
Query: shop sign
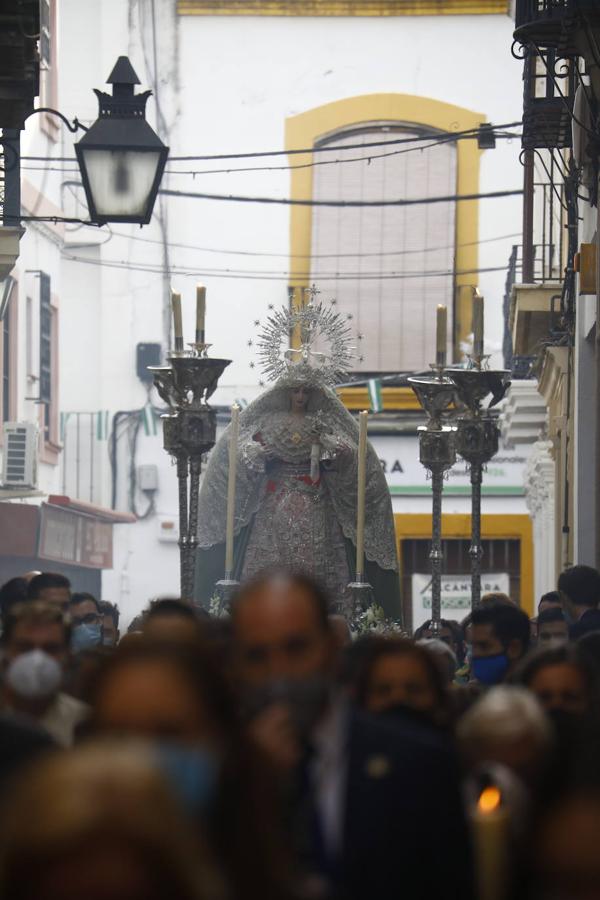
point(76, 540)
point(399, 457)
point(456, 594)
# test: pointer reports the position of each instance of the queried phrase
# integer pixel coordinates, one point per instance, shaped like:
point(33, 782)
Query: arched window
point(387, 266)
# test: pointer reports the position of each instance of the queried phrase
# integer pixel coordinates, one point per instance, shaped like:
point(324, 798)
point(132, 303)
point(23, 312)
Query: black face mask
point(305, 697)
point(567, 725)
point(401, 712)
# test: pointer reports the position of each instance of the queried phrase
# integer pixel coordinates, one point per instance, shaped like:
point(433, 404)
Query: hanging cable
point(286, 201)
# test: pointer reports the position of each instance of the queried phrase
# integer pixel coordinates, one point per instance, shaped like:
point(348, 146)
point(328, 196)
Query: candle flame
point(489, 800)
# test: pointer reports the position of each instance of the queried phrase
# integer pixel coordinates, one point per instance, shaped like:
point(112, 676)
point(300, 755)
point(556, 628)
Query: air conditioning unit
point(19, 462)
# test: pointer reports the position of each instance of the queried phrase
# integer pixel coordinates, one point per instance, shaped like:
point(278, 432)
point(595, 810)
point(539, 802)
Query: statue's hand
point(254, 456)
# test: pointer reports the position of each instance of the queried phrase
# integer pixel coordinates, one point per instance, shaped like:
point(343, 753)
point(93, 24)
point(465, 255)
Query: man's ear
point(514, 649)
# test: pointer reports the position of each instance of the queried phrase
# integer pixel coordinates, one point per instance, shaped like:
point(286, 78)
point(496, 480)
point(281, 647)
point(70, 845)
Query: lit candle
point(477, 325)
point(441, 335)
point(491, 833)
point(177, 321)
point(231, 477)
point(363, 418)
point(200, 312)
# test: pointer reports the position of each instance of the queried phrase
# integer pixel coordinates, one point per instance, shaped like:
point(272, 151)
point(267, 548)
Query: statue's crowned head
point(320, 354)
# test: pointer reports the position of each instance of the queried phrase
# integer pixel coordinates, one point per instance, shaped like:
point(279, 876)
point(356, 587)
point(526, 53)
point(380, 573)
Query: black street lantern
point(121, 158)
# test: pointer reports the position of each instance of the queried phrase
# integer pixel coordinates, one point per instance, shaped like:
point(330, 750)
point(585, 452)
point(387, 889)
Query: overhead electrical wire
point(444, 136)
point(287, 201)
point(252, 274)
point(230, 170)
point(359, 255)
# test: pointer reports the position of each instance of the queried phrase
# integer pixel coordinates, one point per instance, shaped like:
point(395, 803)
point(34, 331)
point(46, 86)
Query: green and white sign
point(456, 594)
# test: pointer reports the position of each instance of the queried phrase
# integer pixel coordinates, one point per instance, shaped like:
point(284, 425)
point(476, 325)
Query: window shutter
point(387, 266)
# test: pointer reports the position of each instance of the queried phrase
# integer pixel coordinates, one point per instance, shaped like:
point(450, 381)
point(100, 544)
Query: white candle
point(477, 325)
point(363, 418)
point(231, 477)
point(491, 833)
point(177, 321)
point(200, 312)
point(441, 335)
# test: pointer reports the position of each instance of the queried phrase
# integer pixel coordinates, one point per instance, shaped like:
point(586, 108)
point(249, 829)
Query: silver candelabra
point(437, 454)
point(189, 431)
point(477, 442)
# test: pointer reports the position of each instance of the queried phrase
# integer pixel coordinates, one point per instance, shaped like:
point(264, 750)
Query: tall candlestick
point(477, 325)
point(441, 335)
point(363, 418)
point(177, 321)
point(231, 477)
point(200, 313)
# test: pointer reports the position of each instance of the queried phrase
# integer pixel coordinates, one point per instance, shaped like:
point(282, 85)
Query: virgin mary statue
point(296, 483)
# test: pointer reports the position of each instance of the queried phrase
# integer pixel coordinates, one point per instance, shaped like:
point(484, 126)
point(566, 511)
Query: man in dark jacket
point(377, 811)
point(579, 587)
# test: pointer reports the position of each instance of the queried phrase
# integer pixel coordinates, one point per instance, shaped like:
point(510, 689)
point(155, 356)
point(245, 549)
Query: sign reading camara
point(456, 594)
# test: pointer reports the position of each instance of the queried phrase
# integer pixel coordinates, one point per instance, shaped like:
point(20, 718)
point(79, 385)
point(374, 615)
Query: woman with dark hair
point(399, 676)
point(562, 679)
point(450, 633)
point(177, 698)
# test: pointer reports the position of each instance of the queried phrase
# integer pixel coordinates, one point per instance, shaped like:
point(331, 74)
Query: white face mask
point(34, 675)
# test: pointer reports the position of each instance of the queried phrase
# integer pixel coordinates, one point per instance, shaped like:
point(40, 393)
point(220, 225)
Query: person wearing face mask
point(86, 622)
point(552, 628)
point(172, 695)
point(500, 636)
point(35, 650)
point(400, 678)
point(361, 824)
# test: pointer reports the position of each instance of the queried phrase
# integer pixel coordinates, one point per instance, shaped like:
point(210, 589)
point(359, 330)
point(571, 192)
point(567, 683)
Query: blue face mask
point(490, 670)
point(84, 636)
point(192, 772)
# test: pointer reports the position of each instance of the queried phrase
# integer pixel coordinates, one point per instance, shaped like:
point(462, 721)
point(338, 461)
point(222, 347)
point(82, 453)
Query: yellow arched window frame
point(307, 128)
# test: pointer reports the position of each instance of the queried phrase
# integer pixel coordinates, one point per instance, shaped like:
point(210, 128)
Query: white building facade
point(228, 88)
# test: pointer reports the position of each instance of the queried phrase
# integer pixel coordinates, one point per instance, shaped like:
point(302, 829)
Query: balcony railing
point(554, 23)
point(548, 92)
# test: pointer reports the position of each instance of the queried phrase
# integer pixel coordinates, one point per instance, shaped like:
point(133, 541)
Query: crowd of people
point(272, 754)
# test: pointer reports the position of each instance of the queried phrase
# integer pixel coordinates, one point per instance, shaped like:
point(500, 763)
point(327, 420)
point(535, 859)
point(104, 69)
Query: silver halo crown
point(305, 365)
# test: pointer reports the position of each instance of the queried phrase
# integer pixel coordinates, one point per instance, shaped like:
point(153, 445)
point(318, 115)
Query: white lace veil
point(341, 481)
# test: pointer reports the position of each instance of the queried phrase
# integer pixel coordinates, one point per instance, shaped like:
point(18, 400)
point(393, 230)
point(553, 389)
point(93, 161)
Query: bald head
point(281, 629)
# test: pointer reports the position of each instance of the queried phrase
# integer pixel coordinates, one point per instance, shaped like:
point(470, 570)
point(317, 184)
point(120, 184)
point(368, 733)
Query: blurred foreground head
point(51, 587)
point(99, 823)
point(507, 725)
point(171, 619)
point(282, 630)
point(565, 863)
point(169, 690)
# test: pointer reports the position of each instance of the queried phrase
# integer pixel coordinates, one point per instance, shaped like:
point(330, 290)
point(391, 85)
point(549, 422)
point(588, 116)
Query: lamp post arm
point(73, 126)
